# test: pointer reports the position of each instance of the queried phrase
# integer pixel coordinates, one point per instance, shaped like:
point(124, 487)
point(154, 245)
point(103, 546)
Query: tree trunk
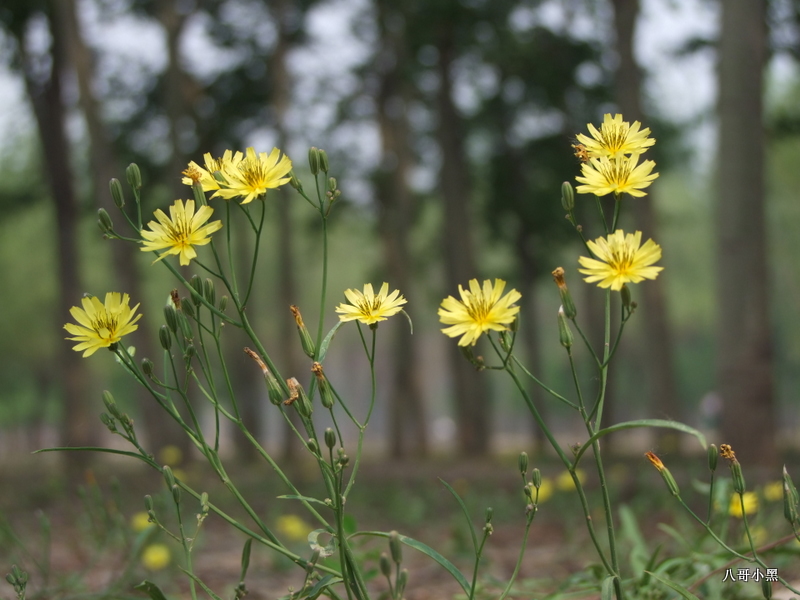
point(744, 348)
point(471, 399)
point(658, 345)
point(407, 423)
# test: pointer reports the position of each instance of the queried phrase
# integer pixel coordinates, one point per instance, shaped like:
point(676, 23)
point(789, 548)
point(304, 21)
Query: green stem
point(255, 253)
point(528, 523)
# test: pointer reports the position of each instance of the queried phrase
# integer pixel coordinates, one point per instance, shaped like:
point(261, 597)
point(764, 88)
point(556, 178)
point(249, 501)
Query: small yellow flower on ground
point(479, 310)
point(565, 483)
point(621, 175)
point(293, 527)
point(773, 491)
point(254, 175)
point(750, 504)
point(156, 557)
point(180, 232)
point(101, 324)
point(369, 307)
point(140, 521)
point(545, 490)
point(212, 165)
point(616, 138)
point(621, 259)
point(170, 455)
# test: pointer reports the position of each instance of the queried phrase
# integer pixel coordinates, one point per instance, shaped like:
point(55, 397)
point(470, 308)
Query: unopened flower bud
point(528, 491)
point(295, 182)
point(183, 323)
point(116, 192)
point(489, 514)
point(344, 460)
point(536, 478)
point(134, 176)
point(330, 438)
point(189, 353)
point(790, 498)
point(170, 316)
point(713, 455)
point(148, 503)
point(332, 184)
point(305, 338)
point(111, 405)
point(323, 161)
point(522, 462)
point(147, 367)
point(385, 564)
point(188, 307)
point(164, 337)
point(766, 588)
point(402, 582)
point(567, 196)
point(108, 421)
point(197, 289)
point(396, 547)
point(208, 291)
point(564, 332)
point(104, 222)
point(625, 296)
point(313, 160)
point(563, 291)
point(223, 303)
point(168, 476)
point(665, 474)
point(176, 494)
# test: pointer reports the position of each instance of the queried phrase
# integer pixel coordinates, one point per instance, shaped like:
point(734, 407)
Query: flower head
point(616, 138)
point(254, 174)
point(101, 324)
point(293, 527)
point(478, 311)
point(181, 231)
point(750, 501)
point(603, 175)
point(369, 307)
point(621, 259)
point(156, 557)
point(212, 165)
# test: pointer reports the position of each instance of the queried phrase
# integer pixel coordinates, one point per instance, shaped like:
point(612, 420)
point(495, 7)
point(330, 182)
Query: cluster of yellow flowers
point(610, 165)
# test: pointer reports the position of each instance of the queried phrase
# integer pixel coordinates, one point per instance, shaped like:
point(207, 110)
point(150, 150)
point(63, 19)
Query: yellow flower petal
point(101, 324)
point(180, 232)
point(620, 259)
point(603, 175)
point(616, 138)
point(480, 309)
point(369, 307)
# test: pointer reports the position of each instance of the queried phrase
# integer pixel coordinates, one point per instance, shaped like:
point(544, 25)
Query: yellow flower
point(293, 527)
point(156, 557)
point(254, 175)
point(478, 311)
point(170, 455)
point(621, 259)
point(603, 175)
point(213, 165)
point(750, 504)
point(140, 521)
point(180, 232)
point(773, 491)
point(101, 324)
point(616, 138)
point(369, 307)
point(565, 483)
point(545, 490)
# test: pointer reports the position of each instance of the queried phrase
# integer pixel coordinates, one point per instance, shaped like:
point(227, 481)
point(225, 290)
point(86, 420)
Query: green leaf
point(674, 586)
point(607, 588)
point(151, 589)
point(466, 513)
point(410, 323)
point(641, 423)
point(323, 347)
point(324, 551)
point(350, 525)
point(306, 498)
point(320, 586)
point(147, 460)
point(430, 553)
point(246, 558)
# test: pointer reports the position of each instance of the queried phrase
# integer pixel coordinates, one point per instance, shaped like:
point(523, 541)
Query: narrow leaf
point(674, 586)
point(410, 323)
point(246, 558)
point(151, 589)
point(323, 347)
point(607, 588)
point(466, 513)
point(306, 498)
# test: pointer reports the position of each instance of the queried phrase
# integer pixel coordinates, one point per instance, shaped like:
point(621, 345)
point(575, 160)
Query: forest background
point(449, 127)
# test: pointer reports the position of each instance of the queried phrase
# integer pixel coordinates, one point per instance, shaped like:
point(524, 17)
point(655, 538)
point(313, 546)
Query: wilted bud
point(313, 160)
point(625, 296)
point(104, 222)
point(522, 462)
point(273, 387)
point(736, 469)
point(323, 161)
point(386, 566)
point(108, 422)
point(197, 289)
point(713, 455)
point(325, 390)
point(176, 494)
point(564, 332)
point(313, 446)
point(164, 337)
point(170, 316)
point(147, 367)
point(665, 474)
point(111, 405)
point(567, 196)
point(208, 291)
point(330, 438)
point(396, 547)
point(297, 396)
point(536, 478)
point(563, 291)
point(134, 176)
point(116, 192)
point(790, 498)
point(305, 338)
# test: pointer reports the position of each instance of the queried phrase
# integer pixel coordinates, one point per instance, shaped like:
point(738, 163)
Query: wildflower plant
point(193, 366)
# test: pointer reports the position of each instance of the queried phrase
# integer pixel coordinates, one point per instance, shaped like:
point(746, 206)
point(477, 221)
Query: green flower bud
point(528, 491)
point(208, 291)
point(108, 422)
point(171, 318)
point(313, 446)
point(188, 308)
point(790, 498)
point(522, 462)
point(111, 405)
point(147, 367)
point(223, 303)
point(672, 485)
point(134, 176)
point(189, 353)
point(402, 582)
point(176, 494)
point(567, 196)
point(313, 160)
point(305, 338)
point(713, 456)
point(330, 438)
point(295, 182)
point(738, 477)
point(169, 478)
point(564, 332)
point(766, 588)
point(104, 222)
point(489, 514)
point(396, 547)
point(165, 337)
point(344, 460)
point(183, 323)
point(323, 161)
point(625, 296)
point(332, 184)
point(197, 289)
point(116, 192)
point(386, 566)
point(536, 478)
point(148, 503)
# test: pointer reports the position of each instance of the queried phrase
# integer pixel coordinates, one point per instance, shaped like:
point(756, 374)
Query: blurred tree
point(744, 348)
point(42, 68)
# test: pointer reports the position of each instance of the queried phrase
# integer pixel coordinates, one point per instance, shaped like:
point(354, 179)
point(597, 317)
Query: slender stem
point(602, 214)
point(255, 252)
point(231, 269)
point(478, 555)
point(550, 391)
point(187, 551)
point(617, 203)
point(528, 523)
